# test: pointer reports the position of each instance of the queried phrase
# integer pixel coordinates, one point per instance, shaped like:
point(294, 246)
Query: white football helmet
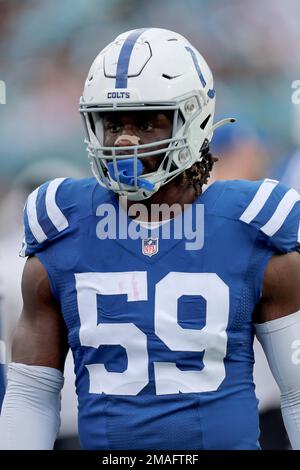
point(149, 69)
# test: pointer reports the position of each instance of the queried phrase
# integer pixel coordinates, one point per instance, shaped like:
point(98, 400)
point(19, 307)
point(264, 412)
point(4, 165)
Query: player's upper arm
point(40, 337)
point(281, 288)
point(272, 210)
point(51, 213)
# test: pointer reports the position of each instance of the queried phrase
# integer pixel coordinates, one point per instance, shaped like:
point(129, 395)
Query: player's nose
point(127, 139)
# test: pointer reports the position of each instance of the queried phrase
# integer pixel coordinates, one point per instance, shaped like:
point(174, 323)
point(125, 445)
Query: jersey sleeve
point(274, 210)
point(49, 214)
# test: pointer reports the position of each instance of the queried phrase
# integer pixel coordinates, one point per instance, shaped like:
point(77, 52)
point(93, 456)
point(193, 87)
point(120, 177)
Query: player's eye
point(146, 126)
point(113, 127)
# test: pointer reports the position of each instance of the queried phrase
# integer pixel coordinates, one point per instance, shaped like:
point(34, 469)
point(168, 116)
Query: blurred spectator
point(291, 173)
point(241, 152)
point(287, 170)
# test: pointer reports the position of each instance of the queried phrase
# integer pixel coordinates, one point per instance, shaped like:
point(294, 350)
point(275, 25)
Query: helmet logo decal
point(210, 93)
point(118, 94)
point(124, 57)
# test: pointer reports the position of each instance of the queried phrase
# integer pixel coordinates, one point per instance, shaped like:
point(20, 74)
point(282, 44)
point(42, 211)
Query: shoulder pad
point(275, 210)
point(52, 210)
point(268, 206)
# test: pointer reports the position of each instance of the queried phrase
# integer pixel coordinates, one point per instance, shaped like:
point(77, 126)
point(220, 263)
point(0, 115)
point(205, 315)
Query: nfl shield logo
point(150, 246)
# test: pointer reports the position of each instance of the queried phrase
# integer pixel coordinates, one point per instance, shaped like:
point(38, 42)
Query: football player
point(161, 331)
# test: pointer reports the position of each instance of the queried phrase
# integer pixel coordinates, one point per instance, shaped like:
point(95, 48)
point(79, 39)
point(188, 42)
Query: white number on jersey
point(212, 338)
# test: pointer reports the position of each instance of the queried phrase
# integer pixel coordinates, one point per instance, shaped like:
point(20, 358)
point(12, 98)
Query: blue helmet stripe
point(124, 57)
point(202, 80)
point(210, 93)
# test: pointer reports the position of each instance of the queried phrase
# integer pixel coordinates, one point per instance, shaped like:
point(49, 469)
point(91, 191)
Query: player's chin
point(151, 164)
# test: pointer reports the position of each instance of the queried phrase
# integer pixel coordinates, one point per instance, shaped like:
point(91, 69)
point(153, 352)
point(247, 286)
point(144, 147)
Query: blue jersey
point(162, 335)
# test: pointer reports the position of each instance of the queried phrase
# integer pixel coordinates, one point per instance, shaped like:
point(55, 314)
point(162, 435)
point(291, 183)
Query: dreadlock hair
point(197, 175)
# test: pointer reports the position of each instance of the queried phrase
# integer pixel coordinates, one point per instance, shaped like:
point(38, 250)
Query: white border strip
point(54, 213)
point(259, 200)
point(34, 225)
point(284, 208)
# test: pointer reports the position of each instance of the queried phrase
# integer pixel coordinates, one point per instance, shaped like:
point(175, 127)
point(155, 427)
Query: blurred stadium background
point(46, 48)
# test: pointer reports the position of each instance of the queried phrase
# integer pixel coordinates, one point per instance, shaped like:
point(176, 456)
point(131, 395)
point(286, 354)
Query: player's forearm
point(30, 416)
point(280, 341)
point(290, 407)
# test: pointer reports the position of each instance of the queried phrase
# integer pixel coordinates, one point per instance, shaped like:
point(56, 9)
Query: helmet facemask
point(177, 154)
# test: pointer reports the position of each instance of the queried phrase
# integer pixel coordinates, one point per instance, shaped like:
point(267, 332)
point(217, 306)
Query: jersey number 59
point(169, 379)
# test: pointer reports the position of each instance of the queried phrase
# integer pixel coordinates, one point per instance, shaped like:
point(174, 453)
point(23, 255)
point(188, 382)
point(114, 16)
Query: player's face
point(122, 129)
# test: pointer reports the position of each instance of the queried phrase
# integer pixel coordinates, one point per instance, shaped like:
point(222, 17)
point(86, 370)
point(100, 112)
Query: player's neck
point(178, 195)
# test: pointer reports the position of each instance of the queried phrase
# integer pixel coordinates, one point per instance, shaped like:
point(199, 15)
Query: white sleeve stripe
point(259, 200)
point(34, 225)
point(53, 211)
point(283, 209)
point(299, 233)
